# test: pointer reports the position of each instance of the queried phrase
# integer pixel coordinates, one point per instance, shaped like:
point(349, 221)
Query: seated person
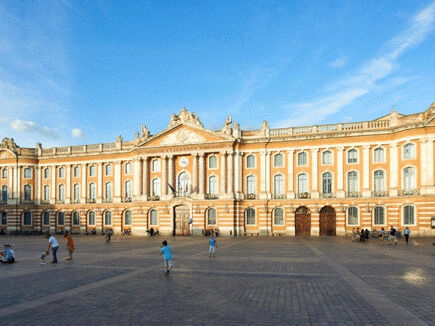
point(8, 255)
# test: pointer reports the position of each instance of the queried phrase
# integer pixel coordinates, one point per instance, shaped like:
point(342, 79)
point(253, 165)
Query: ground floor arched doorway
point(302, 221)
point(327, 221)
point(181, 220)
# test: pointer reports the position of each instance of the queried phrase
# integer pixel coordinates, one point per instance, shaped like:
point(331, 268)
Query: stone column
point(84, 185)
point(340, 178)
point(11, 183)
point(53, 175)
point(171, 176)
point(366, 171)
point(263, 194)
point(68, 185)
point(290, 175)
point(267, 170)
point(146, 181)
point(314, 174)
point(117, 183)
point(136, 178)
point(201, 176)
point(195, 173)
point(164, 177)
point(100, 183)
point(427, 167)
point(38, 180)
point(230, 175)
point(394, 167)
point(238, 174)
point(222, 174)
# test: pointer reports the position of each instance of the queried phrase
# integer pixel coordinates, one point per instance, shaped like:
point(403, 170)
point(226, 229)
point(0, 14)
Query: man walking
point(212, 250)
point(54, 245)
point(406, 232)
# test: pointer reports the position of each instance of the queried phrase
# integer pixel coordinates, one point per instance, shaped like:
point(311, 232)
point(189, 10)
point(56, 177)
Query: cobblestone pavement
point(255, 281)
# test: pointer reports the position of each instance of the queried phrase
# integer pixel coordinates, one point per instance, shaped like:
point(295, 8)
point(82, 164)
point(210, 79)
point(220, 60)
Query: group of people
point(391, 235)
point(54, 246)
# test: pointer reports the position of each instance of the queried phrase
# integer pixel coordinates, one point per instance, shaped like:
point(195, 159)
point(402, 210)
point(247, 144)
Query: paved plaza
point(252, 281)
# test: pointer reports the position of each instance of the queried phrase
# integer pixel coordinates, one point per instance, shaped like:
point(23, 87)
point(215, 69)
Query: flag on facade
point(172, 188)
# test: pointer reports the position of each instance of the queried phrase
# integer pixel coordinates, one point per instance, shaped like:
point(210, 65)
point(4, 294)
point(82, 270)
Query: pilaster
point(366, 171)
point(393, 169)
point(290, 176)
point(340, 177)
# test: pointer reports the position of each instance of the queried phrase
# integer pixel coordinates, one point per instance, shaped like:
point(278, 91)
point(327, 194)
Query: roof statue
point(9, 143)
point(145, 132)
point(226, 129)
point(185, 117)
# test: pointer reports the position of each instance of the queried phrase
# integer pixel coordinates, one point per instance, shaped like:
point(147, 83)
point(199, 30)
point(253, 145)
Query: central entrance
point(302, 221)
point(181, 220)
point(327, 221)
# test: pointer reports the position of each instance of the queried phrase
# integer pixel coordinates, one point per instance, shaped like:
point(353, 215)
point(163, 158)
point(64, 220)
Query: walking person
point(362, 237)
point(406, 232)
point(8, 255)
point(167, 256)
point(212, 250)
point(108, 235)
point(392, 236)
point(367, 235)
point(69, 245)
point(54, 245)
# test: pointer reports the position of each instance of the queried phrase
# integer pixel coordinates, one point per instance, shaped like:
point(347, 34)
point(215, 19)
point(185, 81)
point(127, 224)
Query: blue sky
point(79, 72)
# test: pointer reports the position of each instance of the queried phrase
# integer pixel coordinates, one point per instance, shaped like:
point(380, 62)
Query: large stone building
point(316, 180)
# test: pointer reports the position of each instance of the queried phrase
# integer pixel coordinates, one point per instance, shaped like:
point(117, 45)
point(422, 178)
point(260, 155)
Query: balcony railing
point(327, 195)
point(409, 192)
point(60, 201)
point(107, 200)
point(210, 196)
point(303, 195)
point(76, 201)
point(379, 193)
point(155, 198)
point(251, 196)
point(353, 194)
point(126, 200)
point(27, 201)
point(185, 194)
point(91, 201)
point(45, 202)
point(278, 196)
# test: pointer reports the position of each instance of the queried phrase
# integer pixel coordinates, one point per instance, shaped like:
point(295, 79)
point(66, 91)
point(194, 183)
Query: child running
point(69, 244)
point(167, 256)
point(212, 249)
point(42, 256)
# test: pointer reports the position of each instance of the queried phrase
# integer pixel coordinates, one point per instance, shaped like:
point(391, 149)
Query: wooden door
point(302, 221)
point(181, 220)
point(327, 221)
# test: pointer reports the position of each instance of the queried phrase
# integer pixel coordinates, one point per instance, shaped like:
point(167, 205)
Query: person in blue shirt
point(8, 255)
point(212, 250)
point(406, 232)
point(167, 256)
point(54, 245)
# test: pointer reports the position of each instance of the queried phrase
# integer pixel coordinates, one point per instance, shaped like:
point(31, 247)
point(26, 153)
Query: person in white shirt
point(52, 243)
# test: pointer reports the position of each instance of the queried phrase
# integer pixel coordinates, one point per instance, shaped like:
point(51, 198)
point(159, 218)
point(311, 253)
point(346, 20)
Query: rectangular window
point(27, 173)
point(27, 218)
point(379, 155)
point(46, 218)
point(408, 215)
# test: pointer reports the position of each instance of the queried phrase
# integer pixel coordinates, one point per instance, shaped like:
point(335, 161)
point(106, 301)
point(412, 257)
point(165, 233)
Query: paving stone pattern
point(252, 281)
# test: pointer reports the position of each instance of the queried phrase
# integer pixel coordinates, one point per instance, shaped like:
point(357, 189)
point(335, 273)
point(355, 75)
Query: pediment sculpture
point(185, 117)
point(182, 137)
point(9, 143)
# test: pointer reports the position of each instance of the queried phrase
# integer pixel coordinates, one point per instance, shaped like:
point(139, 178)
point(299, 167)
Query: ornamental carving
point(9, 143)
point(185, 117)
point(182, 137)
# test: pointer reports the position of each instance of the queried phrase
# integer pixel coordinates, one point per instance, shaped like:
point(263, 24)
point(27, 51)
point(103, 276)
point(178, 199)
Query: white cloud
point(76, 133)
point(31, 126)
point(340, 62)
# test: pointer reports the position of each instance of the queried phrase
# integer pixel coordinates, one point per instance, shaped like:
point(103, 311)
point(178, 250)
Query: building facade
point(185, 180)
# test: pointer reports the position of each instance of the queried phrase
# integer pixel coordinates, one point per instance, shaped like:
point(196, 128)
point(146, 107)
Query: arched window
point(76, 218)
point(4, 193)
point(211, 216)
point(302, 183)
point(107, 218)
point(409, 151)
point(153, 217)
point(250, 216)
point(251, 185)
point(92, 191)
point(27, 218)
point(352, 181)
point(127, 218)
point(278, 184)
point(212, 162)
point(108, 191)
point(156, 187)
point(379, 215)
point(127, 168)
point(183, 184)
point(278, 160)
point(27, 192)
point(46, 192)
point(27, 173)
point(213, 185)
point(378, 155)
point(5, 173)
point(61, 196)
point(61, 172)
point(46, 218)
point(4, 218)
point(128, 189)
point(302, 158)
point(352, 216)
point(76, 192)
point(108, 169)
point(278, 216)
point(155, 165)
point(327, 183)
point(379, 181)
point(46, 173)
point(408, 215)
point(327, 157)
point(250, 161)
point(409, 178)
point(91, 218)
point(60, 218)
point(76, 172)
point(92, 171)
point(352, 156)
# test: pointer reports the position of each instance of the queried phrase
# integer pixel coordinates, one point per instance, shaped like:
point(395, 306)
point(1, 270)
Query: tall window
point(46, 173)
point(379, 181)
point(212, 162)
point(128, 189)
point(278, 160)
point(5, 173)
point(409, 151)
point(76, 218)
point(379, 155)
point(76, 192)
point(211, 216)
point(107, 218)
point(127, 168)
point(92, 191)
point(46, 192)
point(278, 216)
point(302, 158)
point(45, 218)
point(4, 218)
point(61, 172)
point(156, 187)
point(250, 161)
point(278, 184)
point(352, 181)
point(92, 171)
point(408, 215)
point(27, 173)
point(352, 156)
point(61, 196)
point(27, 192)
point(76, 171)
point(155, 166)
point(251, 185)
point(153, 217)
point(108, 169)
point(409, 178)
point(250, 216)
point(327, 183)
point(352, 216)
point(302, 183)
point(108, 192)
point(127, 218)
point(327, 157)
point(60, 218)
point(4, 193)
point(91, 218)
point(27, 218)
point(212, 185)
point(379, 215)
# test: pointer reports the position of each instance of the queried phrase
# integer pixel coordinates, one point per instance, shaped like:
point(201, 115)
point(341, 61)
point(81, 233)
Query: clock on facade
point(183, 162)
